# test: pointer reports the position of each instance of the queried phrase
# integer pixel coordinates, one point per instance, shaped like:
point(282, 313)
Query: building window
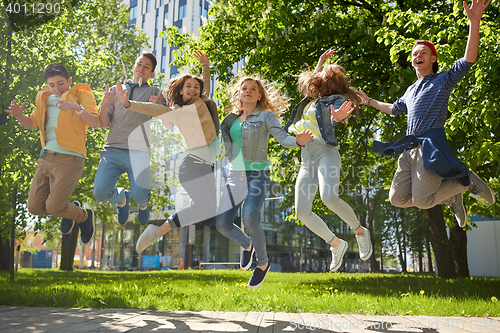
point(178, 24)
point(171, 204)
point(163, 63)
point(165, 17)
point(133, 13)
point(182, 11)
point(157, 43)
point(148, 6)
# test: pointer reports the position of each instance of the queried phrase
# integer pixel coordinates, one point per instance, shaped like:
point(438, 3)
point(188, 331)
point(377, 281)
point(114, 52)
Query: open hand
point(15, 109)
point(304, 137)
point(122, 97)
point(343, 112)
point(202, 58)
point(475, 12)
point(155, 99)
point(66, 106)
point(326, 55)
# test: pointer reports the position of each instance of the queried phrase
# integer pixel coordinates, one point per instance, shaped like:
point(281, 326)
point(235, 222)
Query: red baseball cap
point(426, 43)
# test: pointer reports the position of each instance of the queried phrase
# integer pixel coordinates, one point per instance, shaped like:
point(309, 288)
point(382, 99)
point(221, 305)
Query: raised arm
point(327, 54)
point(205, 71)
point(474, 13)
point(17, 111)
point(384, 107)
point(147, 108)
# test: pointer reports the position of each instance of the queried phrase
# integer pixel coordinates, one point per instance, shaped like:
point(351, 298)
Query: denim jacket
point(323, 114)
point(255, 136)
point(437, 154)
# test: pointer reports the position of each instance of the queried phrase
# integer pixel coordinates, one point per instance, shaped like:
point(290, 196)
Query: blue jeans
point(251, 187)
point(116, 161)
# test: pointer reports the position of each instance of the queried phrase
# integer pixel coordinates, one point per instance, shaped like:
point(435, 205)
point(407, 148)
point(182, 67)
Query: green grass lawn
point(226, 290)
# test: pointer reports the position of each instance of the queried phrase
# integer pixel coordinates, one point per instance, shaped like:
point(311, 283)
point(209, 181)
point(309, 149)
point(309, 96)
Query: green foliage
point(226, 290)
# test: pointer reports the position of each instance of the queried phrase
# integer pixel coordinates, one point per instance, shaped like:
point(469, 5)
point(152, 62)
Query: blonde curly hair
point(271, 98)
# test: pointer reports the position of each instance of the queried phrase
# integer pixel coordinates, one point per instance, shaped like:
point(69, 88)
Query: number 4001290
point(33, 8)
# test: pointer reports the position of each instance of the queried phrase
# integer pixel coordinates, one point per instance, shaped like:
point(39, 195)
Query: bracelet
point(81, 110)
point(369, 99)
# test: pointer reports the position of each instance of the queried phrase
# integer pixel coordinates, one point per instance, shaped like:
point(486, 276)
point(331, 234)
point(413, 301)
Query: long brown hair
point(271, 98)
point(172, 95)
point(330, 81)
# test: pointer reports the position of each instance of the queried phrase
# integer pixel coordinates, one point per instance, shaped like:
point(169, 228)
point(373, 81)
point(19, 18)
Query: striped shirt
point(426, 101)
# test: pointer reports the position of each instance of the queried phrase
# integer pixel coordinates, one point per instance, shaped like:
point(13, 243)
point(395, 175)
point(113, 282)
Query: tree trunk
point(440, 242)
point(305, 247)
point(458, 243)
point(103, 237)
point(122, 262)
point(381, 259)
point(402, 262)
point(429, 254)
point(374, 266)
point(13, 234)
point(68, 248)
point(420, 261)
point(4, 253)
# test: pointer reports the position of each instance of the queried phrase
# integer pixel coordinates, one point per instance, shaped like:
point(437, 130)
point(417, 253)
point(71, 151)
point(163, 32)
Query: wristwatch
point(81, 110)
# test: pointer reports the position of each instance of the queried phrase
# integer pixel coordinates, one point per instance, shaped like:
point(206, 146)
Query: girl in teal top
point(246, 132)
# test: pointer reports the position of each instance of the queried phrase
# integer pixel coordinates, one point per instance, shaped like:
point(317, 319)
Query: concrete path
point(34, 320)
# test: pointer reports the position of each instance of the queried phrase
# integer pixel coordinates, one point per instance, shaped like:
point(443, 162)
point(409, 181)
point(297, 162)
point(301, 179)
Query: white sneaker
point(459, 210)
point(338, 255)
point(148, 237)
point(364, 245)
point(480, 188)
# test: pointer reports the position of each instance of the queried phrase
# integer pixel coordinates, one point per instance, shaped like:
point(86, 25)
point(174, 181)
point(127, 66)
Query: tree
point(372, 38)
point(91, 40)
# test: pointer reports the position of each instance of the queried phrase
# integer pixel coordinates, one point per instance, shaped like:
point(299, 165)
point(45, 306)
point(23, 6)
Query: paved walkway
point(33, 320)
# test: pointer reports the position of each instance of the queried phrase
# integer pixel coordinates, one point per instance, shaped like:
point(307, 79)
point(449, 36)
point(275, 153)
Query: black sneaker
point(246, 258)
point(67, 224)
point(258, 277)
point(123, 212)
point(87, 228)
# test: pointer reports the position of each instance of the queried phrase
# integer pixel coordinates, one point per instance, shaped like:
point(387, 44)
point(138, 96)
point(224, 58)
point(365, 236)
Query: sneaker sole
point(341, 260)
point(93, 229)
point(245, 268)
point(462, 225)
point(70, 229)
point(489, 189)
point(368, 255)
point(261, 282)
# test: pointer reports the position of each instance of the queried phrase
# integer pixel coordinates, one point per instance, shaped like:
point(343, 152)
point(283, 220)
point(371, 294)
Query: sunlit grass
point(226, 290)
